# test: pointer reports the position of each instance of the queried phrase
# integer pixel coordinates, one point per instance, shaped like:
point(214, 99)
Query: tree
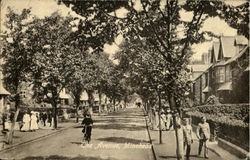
point(53, 58)
point(17, 56)
point(76, 85)
point(160, 25)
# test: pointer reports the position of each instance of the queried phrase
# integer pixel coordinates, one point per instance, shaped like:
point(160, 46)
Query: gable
point(215, 52)
point(220, 53)
point(227, 47)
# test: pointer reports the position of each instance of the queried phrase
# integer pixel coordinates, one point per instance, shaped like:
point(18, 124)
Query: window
point(220, 75)
point(206, 84)
point(228, 73)
point(22, 94)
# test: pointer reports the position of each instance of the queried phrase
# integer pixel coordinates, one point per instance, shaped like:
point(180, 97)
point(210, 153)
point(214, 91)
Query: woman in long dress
point(33, 124)
point(26, 122)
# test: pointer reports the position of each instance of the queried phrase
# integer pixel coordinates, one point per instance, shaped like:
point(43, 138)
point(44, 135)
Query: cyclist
point(87, 123)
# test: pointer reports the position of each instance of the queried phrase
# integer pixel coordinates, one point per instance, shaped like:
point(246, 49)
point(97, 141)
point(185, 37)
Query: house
point(64, 97)
point(230, 50)
point(199, 78)
point(84, 99)
point(226, 73)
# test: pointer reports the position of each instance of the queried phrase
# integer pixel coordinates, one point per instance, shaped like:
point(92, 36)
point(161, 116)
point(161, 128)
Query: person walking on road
point(87, 123)
point(26, 122)
point(203, 134)
point(44, 118)
point(49, 119)
point(188, 138)
point(33, 122)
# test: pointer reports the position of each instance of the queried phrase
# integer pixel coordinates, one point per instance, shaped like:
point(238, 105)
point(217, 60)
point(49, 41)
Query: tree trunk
point(114, 104)
point(90, 101)
point(11, 132)
point(125, 102)
point(77, 115)
point(55, 115)
point(100, 101)
point(178, 128)
point(159, 114)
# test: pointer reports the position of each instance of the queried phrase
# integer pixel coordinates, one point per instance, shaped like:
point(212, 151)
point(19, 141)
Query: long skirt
point(33, 125)
point(26, 126)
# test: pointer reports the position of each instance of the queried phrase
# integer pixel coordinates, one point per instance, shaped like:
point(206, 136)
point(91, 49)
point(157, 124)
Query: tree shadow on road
point(78, 143)
point(126, 127)
point(168, 157)
point(58, 157)
point(123, 140)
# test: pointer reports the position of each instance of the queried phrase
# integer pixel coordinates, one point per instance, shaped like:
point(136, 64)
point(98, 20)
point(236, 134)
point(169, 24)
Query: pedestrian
point(33, 122)
point(87, 123)
point(188, 138)
point(203, 134)
point(26, 122)
point(44, 117)
point(163, 120)
point(49, 119)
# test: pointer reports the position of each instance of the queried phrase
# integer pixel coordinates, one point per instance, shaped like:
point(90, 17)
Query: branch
point(168, 58)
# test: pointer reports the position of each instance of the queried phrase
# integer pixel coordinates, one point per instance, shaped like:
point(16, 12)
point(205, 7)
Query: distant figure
point(26, 122)
point(49, 119)
point(87, 127)
point(188, 138)
point(44, 117)
point(169, 122)
point(33, 122)
point(203, 134)
point(163, 121)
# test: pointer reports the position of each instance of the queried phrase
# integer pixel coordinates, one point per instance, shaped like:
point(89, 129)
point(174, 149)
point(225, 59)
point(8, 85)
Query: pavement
point(21, 138)
point(167, 150)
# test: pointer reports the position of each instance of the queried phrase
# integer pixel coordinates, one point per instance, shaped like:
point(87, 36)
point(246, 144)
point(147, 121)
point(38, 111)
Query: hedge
point(232, 130)
point(233, 111)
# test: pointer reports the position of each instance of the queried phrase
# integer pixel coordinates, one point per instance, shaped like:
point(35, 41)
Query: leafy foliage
point(233, 111)
point(16, 54)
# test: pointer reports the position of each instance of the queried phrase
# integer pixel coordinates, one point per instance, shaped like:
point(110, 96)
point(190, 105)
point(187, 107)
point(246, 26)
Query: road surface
point(118, 136)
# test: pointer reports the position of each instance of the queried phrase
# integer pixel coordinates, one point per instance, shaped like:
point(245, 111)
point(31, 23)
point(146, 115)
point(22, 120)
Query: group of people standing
point(202, 133)
point(34, 121)
point(166, 120)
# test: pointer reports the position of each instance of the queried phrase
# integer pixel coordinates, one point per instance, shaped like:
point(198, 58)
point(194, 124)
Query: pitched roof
point(3, 91)
point(64, 95)
point(221, 63)
point(227, 46)
point(245, 50)
point(84, 96)
point(241, 40)
point(215, 48)
point(198, 67)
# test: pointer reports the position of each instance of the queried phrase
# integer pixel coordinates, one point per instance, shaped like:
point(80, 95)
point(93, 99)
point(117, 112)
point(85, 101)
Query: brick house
point(226, 74)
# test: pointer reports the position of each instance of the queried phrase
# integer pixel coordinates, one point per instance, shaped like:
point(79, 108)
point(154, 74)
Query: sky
point(43, 8)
